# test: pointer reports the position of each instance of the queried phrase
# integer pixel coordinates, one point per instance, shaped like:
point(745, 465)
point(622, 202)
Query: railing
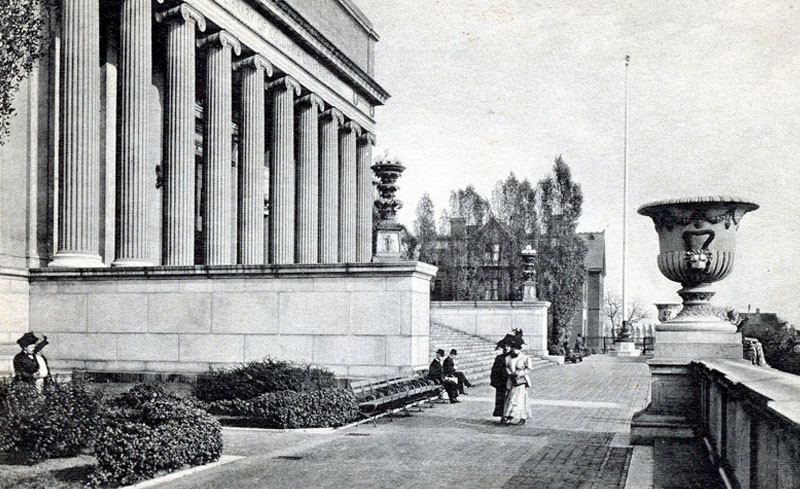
point(750, 417)
point(605, 344)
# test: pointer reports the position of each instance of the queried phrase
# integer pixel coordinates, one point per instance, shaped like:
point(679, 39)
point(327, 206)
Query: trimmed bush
point(151, 431)
point(258, 377)
point(320, 408)
point(60, 421)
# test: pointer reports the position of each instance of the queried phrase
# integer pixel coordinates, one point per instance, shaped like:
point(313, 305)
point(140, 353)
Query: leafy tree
point(425, 229)
point(562, 252)
point(23, 28)
point(468, 204)
point(514, 205)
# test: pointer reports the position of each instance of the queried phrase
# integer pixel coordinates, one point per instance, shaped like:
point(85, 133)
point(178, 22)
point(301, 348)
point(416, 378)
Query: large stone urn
point(697, 241)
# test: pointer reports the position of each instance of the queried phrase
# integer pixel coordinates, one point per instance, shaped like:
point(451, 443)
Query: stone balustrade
point(750, 417)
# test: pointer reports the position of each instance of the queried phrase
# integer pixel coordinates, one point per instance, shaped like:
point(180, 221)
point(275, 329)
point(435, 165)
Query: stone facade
point(180, 139)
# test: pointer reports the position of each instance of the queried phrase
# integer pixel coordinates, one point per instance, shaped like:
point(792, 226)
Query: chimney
point(458, 227)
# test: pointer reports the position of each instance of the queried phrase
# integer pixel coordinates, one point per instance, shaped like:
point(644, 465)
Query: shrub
point(150, 431)
point(307, 409)
point(60, 421)
point(258, 377)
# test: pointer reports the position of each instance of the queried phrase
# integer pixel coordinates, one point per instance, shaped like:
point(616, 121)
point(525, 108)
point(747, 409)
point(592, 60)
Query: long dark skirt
point(499, 402)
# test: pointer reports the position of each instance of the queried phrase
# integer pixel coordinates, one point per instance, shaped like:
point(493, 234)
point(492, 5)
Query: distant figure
point(449, 367)
point(29, 364)
point(498, 379)
point(579, 344)
point(518, 366)
point(436, 373)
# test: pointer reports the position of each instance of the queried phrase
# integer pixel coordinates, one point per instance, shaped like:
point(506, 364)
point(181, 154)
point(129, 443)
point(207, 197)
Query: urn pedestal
point(697, 238)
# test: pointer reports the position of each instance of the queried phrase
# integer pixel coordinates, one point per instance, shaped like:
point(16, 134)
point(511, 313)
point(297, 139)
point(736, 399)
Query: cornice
point(288, 19)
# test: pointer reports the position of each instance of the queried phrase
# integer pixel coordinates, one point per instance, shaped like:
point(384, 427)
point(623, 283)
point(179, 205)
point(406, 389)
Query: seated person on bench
point(449, 366)
point(436, 373)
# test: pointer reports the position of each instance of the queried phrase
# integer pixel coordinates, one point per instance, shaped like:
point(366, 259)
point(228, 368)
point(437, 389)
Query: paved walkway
point(577, 438)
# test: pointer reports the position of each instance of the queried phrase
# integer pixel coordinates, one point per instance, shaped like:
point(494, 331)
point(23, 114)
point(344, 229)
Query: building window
point(492, 254)
point(491, 292)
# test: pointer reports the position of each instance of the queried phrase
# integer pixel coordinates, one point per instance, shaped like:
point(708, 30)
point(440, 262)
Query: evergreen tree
point(561, 252)
point(425, 229)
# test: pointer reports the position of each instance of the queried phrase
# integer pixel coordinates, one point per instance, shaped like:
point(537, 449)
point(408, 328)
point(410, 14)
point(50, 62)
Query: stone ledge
point(489, 304)
point(236, 271)
point(772, 391)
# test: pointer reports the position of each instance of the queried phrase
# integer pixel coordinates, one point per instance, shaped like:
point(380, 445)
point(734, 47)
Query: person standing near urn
point(518, 368)
point(498, 379)
point(29, 364)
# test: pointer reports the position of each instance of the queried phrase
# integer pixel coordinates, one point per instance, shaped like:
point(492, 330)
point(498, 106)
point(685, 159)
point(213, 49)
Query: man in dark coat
point(29, 364)
point(436, 373)
point(449, 367)
point(499, 377)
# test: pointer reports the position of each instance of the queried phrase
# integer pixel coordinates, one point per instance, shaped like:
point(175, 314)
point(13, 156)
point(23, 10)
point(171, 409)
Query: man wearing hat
point(436, 373)
point(449, 367)
point(29, 364)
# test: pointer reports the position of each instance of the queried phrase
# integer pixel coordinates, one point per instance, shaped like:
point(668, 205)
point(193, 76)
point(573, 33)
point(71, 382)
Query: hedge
point(151, 431)
point(60, 421)
point(258, 377)
point(321, 408)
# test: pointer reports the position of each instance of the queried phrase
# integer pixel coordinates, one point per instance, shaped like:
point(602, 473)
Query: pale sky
point(480, 88)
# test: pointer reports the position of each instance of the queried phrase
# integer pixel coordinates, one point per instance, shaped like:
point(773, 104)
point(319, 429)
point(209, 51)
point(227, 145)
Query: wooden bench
point(392, 394)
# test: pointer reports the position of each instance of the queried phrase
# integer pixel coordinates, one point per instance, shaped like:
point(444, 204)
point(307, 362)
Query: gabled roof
point(596, 251)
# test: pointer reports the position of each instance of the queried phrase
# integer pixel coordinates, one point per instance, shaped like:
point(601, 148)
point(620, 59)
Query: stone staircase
point(475, 354)
point(7, 352)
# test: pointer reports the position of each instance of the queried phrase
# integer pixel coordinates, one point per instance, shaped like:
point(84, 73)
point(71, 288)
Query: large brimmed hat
point(440, 352)
point(27, 339)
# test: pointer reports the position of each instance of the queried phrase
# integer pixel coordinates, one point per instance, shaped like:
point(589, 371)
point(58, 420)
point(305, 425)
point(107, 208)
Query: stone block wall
point(494, 319)
point(13, 307)
point(751, 421)
point(358, 321)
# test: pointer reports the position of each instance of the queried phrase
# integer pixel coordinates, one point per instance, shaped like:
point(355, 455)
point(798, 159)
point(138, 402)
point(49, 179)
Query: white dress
point(517, 395)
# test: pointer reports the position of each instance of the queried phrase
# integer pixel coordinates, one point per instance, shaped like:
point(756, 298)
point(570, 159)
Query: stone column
point(252, 134)
point(307, 216)
point(217, 146)
point(79, 165)
point(365, 198)
point(348, 134)
point(330, 121)
point(135, 75)
point(281, 171)
point(179, 153)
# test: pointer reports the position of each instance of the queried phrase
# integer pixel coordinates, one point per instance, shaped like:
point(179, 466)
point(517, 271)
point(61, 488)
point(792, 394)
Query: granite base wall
point(14, 295)
point(358, 321)
point(494, 319)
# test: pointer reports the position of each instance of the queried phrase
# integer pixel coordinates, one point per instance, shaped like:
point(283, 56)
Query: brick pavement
point(575, 438)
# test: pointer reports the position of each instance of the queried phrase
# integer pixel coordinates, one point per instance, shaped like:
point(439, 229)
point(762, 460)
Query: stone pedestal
point(626, 349)
point(387, 242)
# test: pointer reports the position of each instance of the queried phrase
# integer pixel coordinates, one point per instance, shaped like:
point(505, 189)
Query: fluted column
point(217, 146)
point(281, 171)
point(135, 76)
point(79, 165)
point(330, 121)
point(307, 215)
point(348, 134)
point(365, 198)
point(252, 133)
point(179, 153)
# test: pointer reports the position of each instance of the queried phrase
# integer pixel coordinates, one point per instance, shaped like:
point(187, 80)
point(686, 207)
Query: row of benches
point(394, 394)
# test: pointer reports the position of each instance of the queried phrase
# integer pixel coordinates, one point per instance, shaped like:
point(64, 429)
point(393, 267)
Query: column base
point(626, 349)
point(130, 262)
point(77, 260)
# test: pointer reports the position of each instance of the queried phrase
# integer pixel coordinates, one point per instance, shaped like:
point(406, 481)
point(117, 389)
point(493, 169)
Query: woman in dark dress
point(499, 378)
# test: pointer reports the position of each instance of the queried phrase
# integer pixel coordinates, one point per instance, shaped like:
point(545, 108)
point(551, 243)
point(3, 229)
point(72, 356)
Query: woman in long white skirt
point(518, 366)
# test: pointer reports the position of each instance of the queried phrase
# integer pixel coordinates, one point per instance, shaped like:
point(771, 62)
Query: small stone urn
point(529, 272)
point(697, 240)
point(387, 239)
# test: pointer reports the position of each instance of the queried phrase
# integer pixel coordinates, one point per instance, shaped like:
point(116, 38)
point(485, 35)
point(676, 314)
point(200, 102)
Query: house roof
point(596, 251)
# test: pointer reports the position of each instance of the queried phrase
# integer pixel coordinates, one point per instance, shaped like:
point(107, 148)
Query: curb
point(225, 459)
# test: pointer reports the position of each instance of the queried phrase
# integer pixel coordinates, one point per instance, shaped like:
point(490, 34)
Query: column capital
point(351, 126)
point(222, 38)
point(255, 62)
point(312, 100)
point(286, 83)
point(182, 13)
point(367, 137)
point(333, 114)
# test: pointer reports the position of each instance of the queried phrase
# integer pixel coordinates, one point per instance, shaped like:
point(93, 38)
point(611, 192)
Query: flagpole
point(625, 333)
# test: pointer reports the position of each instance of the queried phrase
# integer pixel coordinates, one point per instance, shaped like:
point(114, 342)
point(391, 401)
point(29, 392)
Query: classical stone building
point(589, 320)
point(188, 184)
